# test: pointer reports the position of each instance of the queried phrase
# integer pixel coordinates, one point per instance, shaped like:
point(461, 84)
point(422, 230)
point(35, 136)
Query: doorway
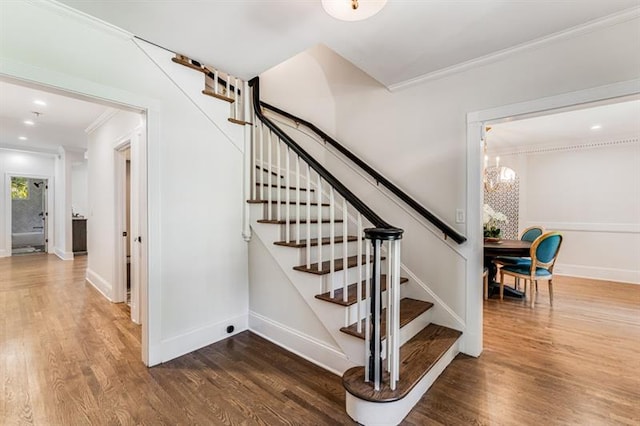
point(29, 215)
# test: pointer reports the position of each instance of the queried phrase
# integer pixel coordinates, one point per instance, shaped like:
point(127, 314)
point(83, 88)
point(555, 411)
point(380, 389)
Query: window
point(19, 189)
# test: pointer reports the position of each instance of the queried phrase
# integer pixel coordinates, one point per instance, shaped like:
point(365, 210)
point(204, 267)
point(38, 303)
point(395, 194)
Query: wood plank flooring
point(69, 357)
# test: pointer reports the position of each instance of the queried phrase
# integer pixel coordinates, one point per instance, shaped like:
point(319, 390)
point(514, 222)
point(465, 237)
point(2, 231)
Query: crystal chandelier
point(496, 178)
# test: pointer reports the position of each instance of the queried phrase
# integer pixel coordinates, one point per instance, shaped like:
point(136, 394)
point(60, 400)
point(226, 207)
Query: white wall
point(417, 136)
point(79, 188)
point(22, 163)
point(592, 196)
point(102, 235)
point(197, 257)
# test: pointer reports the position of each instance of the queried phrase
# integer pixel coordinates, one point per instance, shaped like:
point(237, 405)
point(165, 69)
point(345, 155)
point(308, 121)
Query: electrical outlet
point(459, 216)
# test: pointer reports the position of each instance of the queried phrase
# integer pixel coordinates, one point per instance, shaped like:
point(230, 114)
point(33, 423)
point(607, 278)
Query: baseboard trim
point(598, 273)
point(303, 345)
point(3, 253)
point(64, 255)
point(99, 283)
point(185, 343)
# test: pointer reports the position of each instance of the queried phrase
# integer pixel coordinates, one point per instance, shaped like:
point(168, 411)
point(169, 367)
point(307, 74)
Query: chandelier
point(353, 10)
point(497, 177)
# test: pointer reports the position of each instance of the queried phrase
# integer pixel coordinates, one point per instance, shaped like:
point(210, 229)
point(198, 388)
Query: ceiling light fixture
point(28, 122)
point(353, 10)
point(596, 127)
point(39, 102)
point(22, 138)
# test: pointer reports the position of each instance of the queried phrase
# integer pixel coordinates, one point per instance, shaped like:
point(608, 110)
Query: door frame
point(472, 339)
point(137, 216)
point(50, 226)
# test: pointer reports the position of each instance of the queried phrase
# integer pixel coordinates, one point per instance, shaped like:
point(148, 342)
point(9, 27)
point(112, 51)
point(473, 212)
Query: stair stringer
point(191, 83)
point(308, 286)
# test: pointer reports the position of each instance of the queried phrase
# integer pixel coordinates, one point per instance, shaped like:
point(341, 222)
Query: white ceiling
point(62, 122)
point(407, 39)
point(616, 121)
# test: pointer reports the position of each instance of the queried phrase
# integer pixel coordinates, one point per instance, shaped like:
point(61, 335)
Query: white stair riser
point(292, 212)
point(304, 196)
point(338, 278)
point(352, 250)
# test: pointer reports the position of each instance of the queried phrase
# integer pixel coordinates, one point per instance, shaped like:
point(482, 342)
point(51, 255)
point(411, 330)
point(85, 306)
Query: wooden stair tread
point(410, 309)
point(217, 96)
point(417, 357)
point(236, 121)
point(302, 203)
point(188, 64)
point(352, 261)
point(282, 186)
point(314, 242)
point(352, 292)
point(294, 222)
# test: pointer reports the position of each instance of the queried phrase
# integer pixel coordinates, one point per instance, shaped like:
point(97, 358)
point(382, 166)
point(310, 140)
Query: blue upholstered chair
point(544, 252)
point(529, 234)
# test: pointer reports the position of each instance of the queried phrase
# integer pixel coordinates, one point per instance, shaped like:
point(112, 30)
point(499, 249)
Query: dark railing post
point(377, 237)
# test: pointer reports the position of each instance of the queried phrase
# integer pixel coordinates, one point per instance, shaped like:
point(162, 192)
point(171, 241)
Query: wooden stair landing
point(325, 269)
point(410, 309)
point(417, 357)
point(352, 292)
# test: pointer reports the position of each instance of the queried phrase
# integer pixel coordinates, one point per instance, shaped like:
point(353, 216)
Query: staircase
point(343, 259)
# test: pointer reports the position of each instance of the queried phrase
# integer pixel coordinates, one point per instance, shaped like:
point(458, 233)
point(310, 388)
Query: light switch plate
point(459, 216)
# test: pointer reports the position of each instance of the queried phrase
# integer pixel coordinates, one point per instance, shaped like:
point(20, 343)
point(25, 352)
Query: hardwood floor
point(69, 357)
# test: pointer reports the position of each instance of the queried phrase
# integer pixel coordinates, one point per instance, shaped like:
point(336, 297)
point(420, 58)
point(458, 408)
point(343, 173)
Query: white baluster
point(345, 251)
point(298, 198)
point(269, 175)
point(396, 321)
point(278, 181)
point(228, 93)
point(287, 184)
point(367, 301)
point(319, 210)
point(377, 374)
point(360, 277)
point(332, 240)
point(215, 82)
point(308, 169)
point(236, 106)
point(390, 309)
point(260, 171)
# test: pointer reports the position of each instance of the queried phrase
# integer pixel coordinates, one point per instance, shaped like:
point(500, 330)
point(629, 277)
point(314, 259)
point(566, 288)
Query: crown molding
point(103, 118)
point(543, 149)
point(596, 24)
point(68, 11)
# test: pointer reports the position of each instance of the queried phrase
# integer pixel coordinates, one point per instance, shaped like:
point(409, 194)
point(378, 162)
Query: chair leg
point(536, 286)
point(533, 293)
point(501, 285)
point(485, 280)
point(550, 292)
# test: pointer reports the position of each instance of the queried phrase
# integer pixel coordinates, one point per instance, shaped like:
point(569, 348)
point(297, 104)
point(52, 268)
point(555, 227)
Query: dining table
point(503, 247)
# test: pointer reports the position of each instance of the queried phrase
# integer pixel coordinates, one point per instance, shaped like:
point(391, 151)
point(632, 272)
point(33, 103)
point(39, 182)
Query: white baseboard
point(195, 339)
point(64, 255)
point(100, 284)
point(305, 346)
point(3, 253)
point(598, 273)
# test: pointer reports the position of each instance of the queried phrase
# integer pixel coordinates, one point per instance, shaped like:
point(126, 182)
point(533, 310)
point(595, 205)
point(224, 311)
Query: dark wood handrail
point(384, 228)
point(446, 229)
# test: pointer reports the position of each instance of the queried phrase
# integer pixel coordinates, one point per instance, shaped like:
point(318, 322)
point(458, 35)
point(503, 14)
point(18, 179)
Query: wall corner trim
point(100, 284)
point(102, 118)
point(64, 255)
point(68, 11)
